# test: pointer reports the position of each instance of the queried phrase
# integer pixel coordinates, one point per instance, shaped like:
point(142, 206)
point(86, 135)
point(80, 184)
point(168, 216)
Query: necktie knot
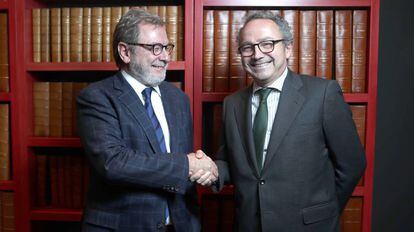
point(263, 94)
point(147, 93)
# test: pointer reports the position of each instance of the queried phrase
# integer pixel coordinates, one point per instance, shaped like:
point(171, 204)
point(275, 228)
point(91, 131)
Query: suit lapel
point(131, 101)
point(243, 115)
point(172, 118)
point(290, 102)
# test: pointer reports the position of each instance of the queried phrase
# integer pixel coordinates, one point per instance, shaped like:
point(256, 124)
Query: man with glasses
point(289, 144)
point(137, 133)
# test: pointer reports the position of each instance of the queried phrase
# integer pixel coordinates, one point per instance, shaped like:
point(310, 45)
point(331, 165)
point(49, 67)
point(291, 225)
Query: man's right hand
point(202, 168)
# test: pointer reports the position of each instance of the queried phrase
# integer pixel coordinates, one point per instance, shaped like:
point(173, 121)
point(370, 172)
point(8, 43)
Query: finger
point(197, 175)
point(199, 154)
point(204, 177)
point(207, 182)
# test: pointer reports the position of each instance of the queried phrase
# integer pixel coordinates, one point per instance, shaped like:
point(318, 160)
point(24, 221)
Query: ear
point(124, 52)
point(288, 50)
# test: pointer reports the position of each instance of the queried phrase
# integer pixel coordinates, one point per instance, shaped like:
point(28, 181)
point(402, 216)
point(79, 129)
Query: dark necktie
point(157, 126)
point(260, 125)
point(155, 123)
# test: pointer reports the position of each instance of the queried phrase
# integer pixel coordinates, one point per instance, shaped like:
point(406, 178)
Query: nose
point(257, 52)
point(165, 56)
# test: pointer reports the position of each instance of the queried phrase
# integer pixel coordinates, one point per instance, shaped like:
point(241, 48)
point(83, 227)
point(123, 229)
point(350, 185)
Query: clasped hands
point(202, 169)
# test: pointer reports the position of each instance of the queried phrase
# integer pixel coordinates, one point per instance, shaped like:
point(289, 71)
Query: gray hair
point(127, 30)
point(279, 21)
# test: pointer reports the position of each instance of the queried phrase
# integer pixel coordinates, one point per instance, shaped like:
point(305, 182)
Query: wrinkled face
point(265, 68)
point(147, 68)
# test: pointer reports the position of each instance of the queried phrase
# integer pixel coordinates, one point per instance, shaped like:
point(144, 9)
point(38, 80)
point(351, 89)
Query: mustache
point(160, 63)
point(260, 61)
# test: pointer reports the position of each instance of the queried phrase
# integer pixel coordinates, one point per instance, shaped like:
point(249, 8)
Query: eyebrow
point(260, 40)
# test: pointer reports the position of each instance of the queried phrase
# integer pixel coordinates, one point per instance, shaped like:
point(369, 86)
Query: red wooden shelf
point(7, 185)
point(288, 3)
point(54, 142)
point(349, 97)
point(88, 66)
point(69, 215)
point(4, 97)
point(4, 5)
point(358, 191)
point(356, 97)
point(213, 97)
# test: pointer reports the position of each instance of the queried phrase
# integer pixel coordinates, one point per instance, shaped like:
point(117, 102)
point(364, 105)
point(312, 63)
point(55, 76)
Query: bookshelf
point(9, 104)
point(25, 146)
point(30, 214)
point(206, 101)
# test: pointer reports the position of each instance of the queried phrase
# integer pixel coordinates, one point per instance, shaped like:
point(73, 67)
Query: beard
point(143, 74)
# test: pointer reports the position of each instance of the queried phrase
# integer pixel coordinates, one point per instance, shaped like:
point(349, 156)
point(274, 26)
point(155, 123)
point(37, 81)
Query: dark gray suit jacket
point(131, 181)
point(314, 159)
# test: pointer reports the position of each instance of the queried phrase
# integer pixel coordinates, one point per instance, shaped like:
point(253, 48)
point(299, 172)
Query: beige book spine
point(36, 34)
point(116, 13)
point(106, 35)
point(56, 34)
point(55, 109)
point(86, 34)
point(41, 108)
point(4, 54)
point(4, 142)
point(172, 20)
point(66, 34)
point(76, 25)
point(45, 35)
point(96, 34)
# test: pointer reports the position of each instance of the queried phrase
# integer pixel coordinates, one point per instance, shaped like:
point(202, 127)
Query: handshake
point(202, 169)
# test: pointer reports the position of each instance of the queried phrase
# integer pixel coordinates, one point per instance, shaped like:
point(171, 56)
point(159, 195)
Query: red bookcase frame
point(22, 76)
point(369, 98)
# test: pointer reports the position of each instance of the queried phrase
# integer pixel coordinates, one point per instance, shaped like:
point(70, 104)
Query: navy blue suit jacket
point(131, 181)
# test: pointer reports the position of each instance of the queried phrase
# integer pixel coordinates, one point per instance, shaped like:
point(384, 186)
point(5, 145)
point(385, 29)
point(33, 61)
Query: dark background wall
point(393, 206)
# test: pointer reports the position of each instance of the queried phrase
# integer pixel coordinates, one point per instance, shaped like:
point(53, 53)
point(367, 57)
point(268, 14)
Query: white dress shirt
point(156, 104)
point(272, 103)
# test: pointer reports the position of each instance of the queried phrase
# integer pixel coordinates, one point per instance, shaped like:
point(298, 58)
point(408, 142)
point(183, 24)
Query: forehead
point(260, 29)
point(149, 33)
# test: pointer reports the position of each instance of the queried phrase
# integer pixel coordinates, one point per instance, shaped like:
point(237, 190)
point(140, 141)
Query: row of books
point(213, 126)
point(331, 44)
point(218, 214)
point(61, 180)
point(85, 34)
point(54, 108)
point(7, 223)
point(4, 53)
point(4, 142)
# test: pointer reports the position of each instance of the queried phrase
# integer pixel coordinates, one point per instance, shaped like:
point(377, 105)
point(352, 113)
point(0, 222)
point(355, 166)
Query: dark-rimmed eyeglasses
point(266, 46)
point(156, 49)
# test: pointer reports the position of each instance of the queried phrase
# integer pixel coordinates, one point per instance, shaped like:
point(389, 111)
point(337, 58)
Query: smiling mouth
point(159, 67)
point(260, 65)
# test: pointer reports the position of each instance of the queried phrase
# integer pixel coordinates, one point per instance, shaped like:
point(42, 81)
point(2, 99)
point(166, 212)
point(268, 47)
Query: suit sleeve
point(113, 160)
point(221, 159)
point(342, 139)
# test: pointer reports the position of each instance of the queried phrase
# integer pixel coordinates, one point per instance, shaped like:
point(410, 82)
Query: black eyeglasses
point(266, 46)
point(156, 49)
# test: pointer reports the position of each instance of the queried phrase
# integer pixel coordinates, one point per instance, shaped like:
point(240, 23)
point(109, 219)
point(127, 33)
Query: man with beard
point(289, 147)
point(137, 133)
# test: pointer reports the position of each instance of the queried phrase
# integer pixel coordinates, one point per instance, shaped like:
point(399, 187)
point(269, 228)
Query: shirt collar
point(136, 85)
point(277, 84)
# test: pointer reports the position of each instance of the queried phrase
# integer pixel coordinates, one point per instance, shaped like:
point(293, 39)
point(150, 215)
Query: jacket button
point(262, 182)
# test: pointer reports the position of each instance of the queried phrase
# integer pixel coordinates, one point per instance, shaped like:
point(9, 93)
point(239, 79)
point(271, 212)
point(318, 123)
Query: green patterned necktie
point(260, 125)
